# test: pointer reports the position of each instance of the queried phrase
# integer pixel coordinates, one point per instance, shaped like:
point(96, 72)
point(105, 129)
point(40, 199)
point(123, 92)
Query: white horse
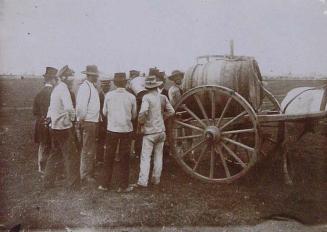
point(303, 101)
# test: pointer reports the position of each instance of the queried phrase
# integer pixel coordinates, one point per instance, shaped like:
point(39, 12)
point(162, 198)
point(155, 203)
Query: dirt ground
point(180, 200)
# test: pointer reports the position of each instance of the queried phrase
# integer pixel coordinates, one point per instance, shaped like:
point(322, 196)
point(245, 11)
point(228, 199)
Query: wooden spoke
point(234, 155)
point(233, 120)
point(197, 99)
point(189, 137)
point(212, 161)
point(238, 131)
point(189, 126)
point(194, 116)
point(238, 144)
point(224, 110)
point(193, 148)
point(203, 150)
point(213, 105)
point(223, 161)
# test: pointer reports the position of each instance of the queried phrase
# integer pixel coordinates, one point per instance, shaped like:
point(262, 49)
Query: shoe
point(128, 189)
point(138, 186)
point(102, 188)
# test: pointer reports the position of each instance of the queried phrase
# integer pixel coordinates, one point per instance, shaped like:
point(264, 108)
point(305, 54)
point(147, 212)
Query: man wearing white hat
point(88, 115)
point(152, 121)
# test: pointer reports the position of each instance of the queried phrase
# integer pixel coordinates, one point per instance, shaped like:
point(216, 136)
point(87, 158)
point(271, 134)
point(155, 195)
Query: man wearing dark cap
point(40, 110)
point(88, 115)
point(62, 114)
point(120, 109)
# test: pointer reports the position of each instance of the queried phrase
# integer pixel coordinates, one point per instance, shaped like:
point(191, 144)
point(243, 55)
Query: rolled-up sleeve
point(105, 106)
point(144, 110)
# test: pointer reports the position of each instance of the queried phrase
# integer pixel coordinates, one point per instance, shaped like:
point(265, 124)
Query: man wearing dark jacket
point(40, 109)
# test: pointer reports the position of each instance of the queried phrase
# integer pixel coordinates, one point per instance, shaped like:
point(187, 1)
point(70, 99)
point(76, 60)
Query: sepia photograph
point(163, 115)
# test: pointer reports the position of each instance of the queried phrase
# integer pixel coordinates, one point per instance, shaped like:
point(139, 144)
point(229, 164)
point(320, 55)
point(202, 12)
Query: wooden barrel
point(240, 73)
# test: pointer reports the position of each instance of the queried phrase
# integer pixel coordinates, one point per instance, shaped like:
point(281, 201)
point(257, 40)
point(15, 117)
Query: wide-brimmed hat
point(91, 70)
point(151, 82)
point(175, 75)
point(134, 73)
point(120, 77)
point(64, 70)
point(50, 72)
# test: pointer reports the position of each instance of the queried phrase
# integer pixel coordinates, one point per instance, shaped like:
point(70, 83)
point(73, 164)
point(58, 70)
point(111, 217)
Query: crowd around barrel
point(109, 122)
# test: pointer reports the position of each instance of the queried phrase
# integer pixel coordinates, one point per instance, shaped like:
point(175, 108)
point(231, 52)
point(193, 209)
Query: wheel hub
point(213, 133)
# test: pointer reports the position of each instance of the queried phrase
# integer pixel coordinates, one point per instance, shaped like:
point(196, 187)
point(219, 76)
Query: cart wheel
point(215, 134)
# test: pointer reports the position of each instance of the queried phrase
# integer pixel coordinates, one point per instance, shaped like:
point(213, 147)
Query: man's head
point(92, 73)
point(133, 74)
point(120, 80)
point(105, 85)
point(66, 75)
point(50, 76)
point(177, 77)
point(151, 83)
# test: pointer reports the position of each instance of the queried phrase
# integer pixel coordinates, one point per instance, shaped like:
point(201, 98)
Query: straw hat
point(151, 82)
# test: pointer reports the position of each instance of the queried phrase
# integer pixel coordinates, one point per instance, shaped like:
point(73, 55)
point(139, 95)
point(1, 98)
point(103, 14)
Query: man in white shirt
point(61, 113)
point(120, 109)
point(88, 115)
point(175, 92)
point(154, 107)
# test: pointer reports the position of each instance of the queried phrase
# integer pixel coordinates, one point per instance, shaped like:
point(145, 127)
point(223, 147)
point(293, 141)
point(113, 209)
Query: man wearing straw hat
point(88, 115)
point(120, 109)
point(40, 109)
point(61, 114)
point(152, 121)
point(175, 92)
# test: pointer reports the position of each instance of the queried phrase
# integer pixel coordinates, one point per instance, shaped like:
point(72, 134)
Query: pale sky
point(284, 35)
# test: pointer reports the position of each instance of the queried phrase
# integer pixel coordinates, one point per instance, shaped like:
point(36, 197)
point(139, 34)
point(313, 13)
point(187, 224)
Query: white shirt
point(154, 107)
point(137, 85)
point(174, 94)
point(88, 103)
point(61, 110)
point(120, 109)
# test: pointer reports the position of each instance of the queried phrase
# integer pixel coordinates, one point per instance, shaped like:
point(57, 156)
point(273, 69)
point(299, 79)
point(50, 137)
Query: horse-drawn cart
point(226, 120)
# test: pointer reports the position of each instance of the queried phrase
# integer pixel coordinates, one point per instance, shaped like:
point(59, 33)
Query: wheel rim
point(215, 135)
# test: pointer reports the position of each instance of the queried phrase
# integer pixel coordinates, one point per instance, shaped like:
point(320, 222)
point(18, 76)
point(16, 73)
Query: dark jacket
point(40, 110)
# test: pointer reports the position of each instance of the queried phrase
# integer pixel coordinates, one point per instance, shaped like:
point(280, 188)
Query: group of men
point(74, 131)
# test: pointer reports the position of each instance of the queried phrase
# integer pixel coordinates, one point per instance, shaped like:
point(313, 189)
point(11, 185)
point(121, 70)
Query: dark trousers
point(124, 140)
point(63, 144)
point(138, 137)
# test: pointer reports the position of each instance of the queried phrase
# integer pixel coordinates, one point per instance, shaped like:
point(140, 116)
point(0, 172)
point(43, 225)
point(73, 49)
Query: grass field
point(179, 201)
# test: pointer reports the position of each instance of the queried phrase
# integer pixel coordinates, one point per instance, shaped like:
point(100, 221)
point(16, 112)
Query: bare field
point(180, 200)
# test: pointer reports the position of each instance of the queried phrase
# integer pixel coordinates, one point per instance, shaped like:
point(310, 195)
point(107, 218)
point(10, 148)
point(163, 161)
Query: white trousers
point(152, 143)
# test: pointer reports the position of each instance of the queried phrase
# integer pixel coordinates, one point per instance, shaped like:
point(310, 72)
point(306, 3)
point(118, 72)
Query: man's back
point(120, 109)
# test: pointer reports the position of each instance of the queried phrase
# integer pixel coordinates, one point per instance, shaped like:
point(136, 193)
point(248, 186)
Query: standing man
point(120, 109)
point(61, 113)
point(88, 115)
point(40, 110)
point(152, 121)
point(175, 92)
point(137, 86)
